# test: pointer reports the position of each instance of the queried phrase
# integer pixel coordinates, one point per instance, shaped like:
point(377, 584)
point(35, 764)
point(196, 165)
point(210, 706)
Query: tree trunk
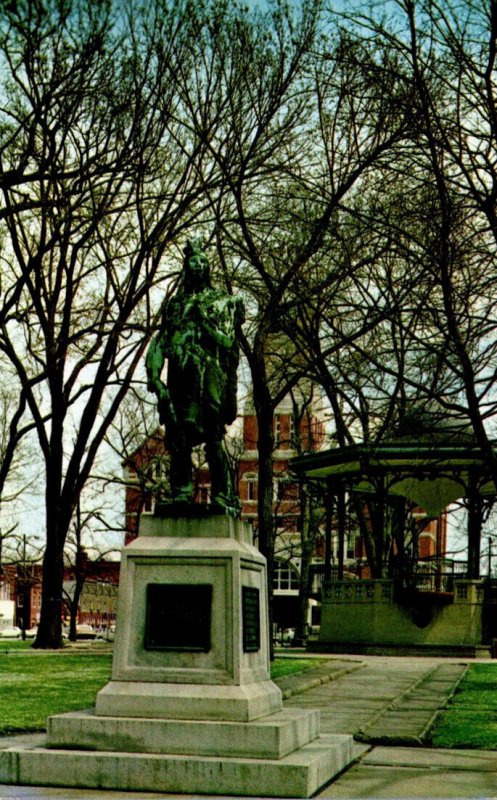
point(265, 511)
point(49, 633)
point(265, 445)
point(365, 513)
point(58, 518)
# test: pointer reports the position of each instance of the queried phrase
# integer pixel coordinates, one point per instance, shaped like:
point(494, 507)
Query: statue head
point(196, 274)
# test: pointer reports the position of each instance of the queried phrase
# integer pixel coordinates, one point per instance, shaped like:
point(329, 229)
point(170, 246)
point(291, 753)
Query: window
point(285, 577)
point(148, 504)
point(279, 489)
point(204, 494)
point(159, 469)
point(351, 545)
point(291, 431)
point(284, 430)
point(250, 480)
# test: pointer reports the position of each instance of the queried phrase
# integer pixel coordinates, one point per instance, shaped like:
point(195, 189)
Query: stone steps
point(299, 774)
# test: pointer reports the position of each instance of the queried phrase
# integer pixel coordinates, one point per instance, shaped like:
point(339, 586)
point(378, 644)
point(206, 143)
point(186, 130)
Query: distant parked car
point(11, 633)
point(31, 632)
point(84, 631)
point(107, 634)
point(287, 636)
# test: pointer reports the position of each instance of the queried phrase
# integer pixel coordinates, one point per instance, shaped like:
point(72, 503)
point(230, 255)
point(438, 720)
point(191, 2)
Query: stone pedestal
point(191, 635)
point(190, 707)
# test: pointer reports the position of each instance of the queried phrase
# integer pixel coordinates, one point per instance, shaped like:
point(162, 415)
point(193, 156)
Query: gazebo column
point(438, 569)
point(341, 530)
point(475, 520)
point(379, 527)
point(329, 526)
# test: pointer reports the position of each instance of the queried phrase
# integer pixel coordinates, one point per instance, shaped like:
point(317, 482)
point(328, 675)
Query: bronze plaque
point(251, 619)
point(178, 617)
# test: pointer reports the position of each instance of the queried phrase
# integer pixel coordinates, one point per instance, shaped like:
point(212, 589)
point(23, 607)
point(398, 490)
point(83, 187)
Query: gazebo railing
point(437, 574)
point(429, 575)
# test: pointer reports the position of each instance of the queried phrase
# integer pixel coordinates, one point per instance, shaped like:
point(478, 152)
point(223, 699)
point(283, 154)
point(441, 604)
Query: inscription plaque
point(251, 619)
point(178, 617)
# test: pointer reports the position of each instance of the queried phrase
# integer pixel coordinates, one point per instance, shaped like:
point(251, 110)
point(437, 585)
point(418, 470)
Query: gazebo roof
point(431, 471)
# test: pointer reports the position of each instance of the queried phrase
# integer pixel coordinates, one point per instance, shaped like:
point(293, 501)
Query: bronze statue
point(198, 337)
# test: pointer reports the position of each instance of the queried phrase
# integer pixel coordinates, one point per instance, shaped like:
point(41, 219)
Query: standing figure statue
point(198, 337)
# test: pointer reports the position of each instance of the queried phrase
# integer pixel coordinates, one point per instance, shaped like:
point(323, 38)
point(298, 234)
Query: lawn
point(470, 719)
point(35, 684)
point(286, 666)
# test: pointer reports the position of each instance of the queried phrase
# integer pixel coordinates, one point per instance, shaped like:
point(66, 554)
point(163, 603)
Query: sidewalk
point(394, 700)
point(381, 700)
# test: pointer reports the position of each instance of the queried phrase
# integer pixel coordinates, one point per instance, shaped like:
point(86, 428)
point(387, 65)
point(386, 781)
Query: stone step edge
point(300, 774)
point(305, 681)
point(408, 740)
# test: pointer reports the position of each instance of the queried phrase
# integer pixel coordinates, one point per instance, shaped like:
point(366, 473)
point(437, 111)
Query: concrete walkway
point(394, 701)
point(382, 701)
point(385, 700)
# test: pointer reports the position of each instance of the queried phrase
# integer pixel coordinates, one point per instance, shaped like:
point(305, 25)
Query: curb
point(408, 740)
point(306, 681)
point(426, 731)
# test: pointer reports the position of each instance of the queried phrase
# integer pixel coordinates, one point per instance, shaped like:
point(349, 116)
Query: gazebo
point(431, 470)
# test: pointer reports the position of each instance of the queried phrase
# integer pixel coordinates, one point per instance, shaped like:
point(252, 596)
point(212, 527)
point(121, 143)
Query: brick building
point(21, 586)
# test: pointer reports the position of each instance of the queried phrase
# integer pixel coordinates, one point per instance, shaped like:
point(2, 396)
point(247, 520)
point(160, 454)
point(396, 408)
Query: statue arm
point(226, 340)
point(222, 339)
point(154, 362)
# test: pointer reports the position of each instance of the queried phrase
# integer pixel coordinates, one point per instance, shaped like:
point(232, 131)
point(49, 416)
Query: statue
point(198, 337)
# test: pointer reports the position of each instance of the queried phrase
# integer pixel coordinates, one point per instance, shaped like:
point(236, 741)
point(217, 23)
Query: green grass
point(287, 666)
point(35, 684)
point(470, 720)
point(14, 645)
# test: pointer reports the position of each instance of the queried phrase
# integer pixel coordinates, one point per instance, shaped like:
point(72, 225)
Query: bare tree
point(442, 188)
point(322, 133)
point(98, 180)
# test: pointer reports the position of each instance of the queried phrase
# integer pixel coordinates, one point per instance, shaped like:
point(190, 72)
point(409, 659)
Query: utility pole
point(23, 587)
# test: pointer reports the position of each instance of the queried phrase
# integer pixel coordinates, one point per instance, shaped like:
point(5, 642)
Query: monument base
point(189, 701)
point(271, 737)
point(299, 774)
